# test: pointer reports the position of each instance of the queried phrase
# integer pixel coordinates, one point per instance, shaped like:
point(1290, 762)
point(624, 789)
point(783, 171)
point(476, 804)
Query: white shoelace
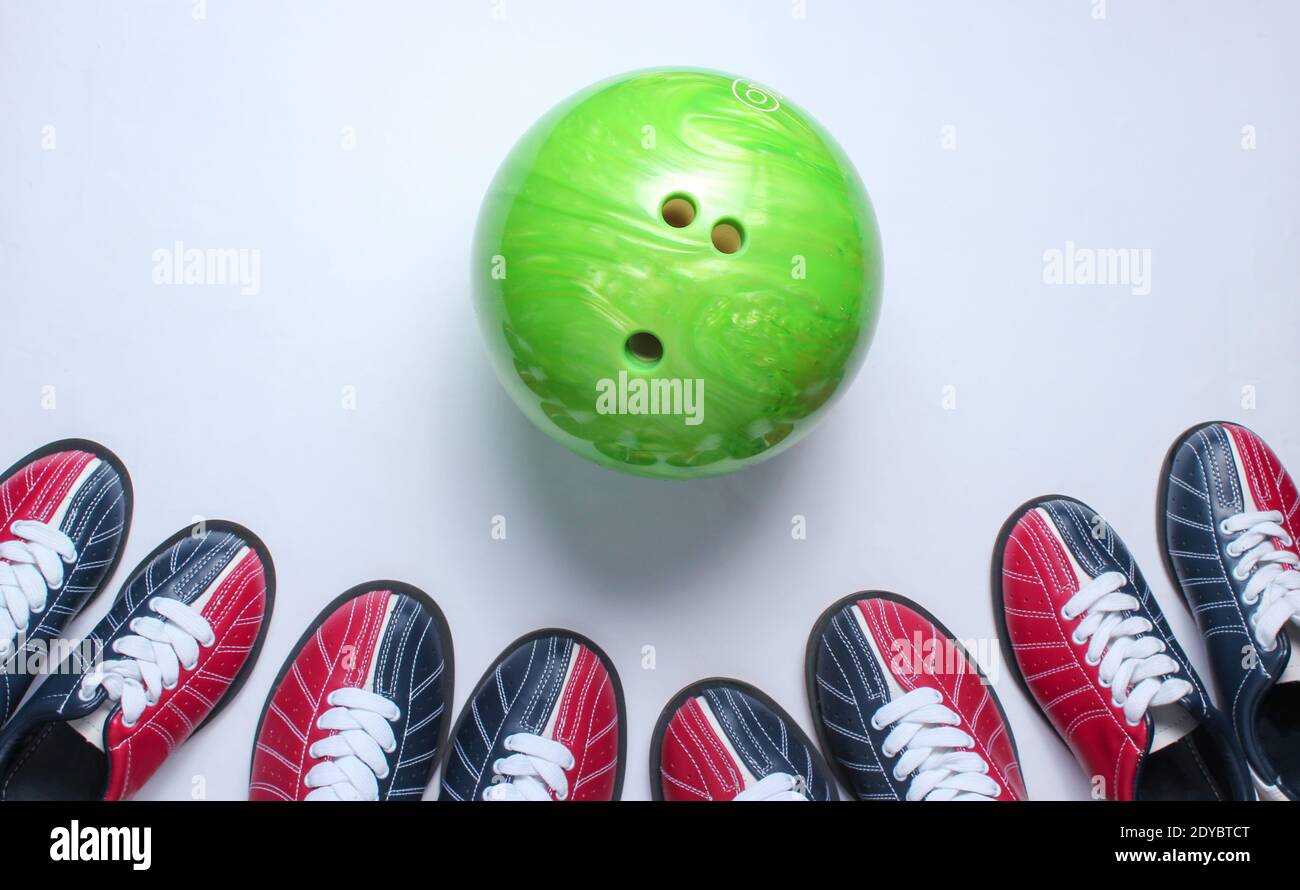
point(355, 752)
point(1274, 584)
point(156, 651)
point(925, 733)
point(776, 786)
point(1131, 659)
point(533, 771)
point(30, 568)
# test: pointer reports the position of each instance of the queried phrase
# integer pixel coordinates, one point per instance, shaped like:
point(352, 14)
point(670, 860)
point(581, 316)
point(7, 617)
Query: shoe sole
point(506, 653)
point(810, 670)
point(661, 727)
point(415, 593)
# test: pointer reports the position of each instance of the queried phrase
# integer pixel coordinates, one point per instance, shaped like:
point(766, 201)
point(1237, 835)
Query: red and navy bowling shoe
point(725, 740)
point(359, 710)
point(176, 645)
point(65, 510)
point(1093, 649)
point(546, 722)
point(902, 710)
point(1228, 525)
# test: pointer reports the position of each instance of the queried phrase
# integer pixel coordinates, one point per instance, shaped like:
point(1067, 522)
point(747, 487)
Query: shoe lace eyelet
point(1223, 527)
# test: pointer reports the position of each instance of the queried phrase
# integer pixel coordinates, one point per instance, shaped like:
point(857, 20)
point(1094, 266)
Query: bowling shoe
point(65, 510)
point(359, 710)
point(546, 722)
point(1088, 642)
point(902, 710)
point(1228, 525)
point(176, 645)
point(725, 740)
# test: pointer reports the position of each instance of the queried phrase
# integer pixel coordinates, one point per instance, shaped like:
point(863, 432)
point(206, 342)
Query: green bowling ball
point(676, 271)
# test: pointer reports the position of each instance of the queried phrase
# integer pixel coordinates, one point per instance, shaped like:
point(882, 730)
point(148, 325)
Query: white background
point(227, 131)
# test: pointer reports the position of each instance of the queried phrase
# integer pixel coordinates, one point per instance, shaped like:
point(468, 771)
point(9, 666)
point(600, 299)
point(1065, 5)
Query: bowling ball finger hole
point(728, 236)
point(678, 211)
point(645, 347)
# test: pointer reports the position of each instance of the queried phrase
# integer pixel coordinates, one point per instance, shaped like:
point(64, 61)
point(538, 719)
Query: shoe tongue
point(1291, 670)
point(91, 727)
point(1171, 723)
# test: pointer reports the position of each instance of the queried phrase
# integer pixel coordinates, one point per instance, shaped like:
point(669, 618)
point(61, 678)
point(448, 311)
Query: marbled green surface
point(572, 256)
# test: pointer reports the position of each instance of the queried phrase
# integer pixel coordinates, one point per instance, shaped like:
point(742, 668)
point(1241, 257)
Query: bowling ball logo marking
point(756, 96)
